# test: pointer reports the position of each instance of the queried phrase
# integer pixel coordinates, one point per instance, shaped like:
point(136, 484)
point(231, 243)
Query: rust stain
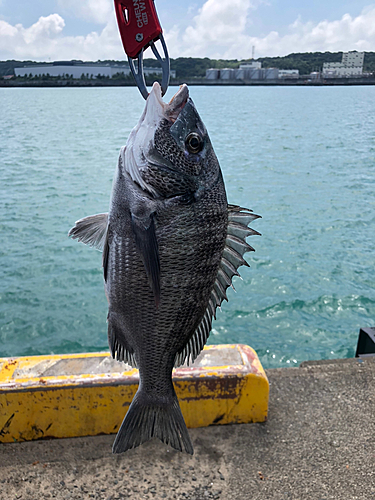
point(9, 364)
point(222, 387)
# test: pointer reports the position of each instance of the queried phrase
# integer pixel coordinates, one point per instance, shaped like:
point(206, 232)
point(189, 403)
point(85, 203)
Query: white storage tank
point(254, 74)
point(212, 74)
point(271, 73)
point(240, 74)
point(227, 74)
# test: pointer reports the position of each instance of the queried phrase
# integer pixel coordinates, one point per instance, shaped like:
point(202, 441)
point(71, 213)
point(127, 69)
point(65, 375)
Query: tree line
point(194, 67)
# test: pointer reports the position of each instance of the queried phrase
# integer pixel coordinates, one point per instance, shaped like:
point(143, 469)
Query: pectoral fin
point(145, 239)
point(91, 230)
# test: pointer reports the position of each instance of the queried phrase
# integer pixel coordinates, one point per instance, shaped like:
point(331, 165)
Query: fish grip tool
point(140, 28)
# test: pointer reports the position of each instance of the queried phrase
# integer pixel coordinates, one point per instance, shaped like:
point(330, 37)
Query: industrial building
point(251, 65)
point(353, 59)
point(212, 74)
point(351, 65)
point(71, 70)
point(288, 73)
point(246, 71)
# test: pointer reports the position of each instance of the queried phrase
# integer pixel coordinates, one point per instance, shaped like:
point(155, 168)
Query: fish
point(171, 246)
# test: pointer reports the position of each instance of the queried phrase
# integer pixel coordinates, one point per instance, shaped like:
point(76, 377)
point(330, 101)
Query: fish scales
point(171, 246)
point(190, 247)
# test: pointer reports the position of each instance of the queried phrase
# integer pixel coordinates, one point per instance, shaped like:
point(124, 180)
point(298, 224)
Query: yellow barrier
point(88, 394)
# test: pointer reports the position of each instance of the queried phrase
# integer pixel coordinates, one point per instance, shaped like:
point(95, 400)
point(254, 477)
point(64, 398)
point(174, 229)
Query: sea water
point(302, 158)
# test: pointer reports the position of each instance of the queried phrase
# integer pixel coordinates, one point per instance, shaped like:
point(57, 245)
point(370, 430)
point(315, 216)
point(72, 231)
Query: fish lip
point(156, 94)
point(172, 109)
point(177, 103)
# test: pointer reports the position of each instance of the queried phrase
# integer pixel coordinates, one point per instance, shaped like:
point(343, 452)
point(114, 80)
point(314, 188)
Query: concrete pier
point(75, 395)
point(318, 443)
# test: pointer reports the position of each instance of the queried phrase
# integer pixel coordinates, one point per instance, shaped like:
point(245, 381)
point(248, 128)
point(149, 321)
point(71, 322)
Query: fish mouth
point(141, 139)
point(177, 103)
point(170, 110)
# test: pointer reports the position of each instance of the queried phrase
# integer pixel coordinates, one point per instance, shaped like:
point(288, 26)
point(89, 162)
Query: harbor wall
point(304, 82)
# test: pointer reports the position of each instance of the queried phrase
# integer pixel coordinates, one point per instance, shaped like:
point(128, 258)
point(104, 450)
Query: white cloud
point(46, 27)
point(98, 11)
point(218, 23)
point(19, 42)
point(44, 40)
point(221, 29)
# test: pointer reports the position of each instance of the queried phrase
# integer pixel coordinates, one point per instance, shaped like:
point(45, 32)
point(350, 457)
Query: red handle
point(138, 24)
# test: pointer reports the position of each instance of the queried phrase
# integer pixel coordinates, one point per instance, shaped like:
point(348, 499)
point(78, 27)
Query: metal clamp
point(138, 71)
point(140, 28)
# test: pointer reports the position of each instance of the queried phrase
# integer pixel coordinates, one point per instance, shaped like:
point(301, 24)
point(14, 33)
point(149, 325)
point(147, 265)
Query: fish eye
point(193, 143)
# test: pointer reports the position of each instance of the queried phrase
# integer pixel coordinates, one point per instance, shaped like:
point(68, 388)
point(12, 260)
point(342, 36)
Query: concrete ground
point(318, 443)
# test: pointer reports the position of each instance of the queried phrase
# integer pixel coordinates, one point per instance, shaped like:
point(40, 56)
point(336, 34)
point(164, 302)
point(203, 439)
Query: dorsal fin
point(91, 230)
point(232, 259)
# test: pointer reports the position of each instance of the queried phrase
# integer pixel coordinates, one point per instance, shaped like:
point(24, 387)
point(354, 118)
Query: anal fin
point(118, 346)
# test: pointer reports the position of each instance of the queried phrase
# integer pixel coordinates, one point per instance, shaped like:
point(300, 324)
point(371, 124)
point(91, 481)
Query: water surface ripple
point(303, 158)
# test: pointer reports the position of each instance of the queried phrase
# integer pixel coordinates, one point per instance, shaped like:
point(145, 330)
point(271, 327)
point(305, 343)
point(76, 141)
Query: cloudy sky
point(44, 30)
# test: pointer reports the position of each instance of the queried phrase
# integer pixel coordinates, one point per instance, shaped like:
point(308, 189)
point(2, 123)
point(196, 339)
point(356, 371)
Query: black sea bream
point(171, 246)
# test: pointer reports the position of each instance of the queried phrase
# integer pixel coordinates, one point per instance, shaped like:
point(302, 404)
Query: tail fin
point(148, 418)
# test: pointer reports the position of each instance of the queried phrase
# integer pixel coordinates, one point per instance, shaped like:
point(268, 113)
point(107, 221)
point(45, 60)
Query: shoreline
point(301, 82)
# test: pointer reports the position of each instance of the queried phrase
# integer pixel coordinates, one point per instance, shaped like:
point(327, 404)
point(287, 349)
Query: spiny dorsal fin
point(232, 259)
point(91, 230)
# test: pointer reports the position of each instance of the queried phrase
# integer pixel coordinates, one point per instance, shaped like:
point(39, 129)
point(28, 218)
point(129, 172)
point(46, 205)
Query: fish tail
point(149, 417)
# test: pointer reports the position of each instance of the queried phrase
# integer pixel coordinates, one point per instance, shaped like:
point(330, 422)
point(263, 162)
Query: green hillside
point(191, 67)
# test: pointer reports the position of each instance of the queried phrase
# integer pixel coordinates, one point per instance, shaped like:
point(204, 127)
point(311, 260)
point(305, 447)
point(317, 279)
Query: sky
point(48, 30)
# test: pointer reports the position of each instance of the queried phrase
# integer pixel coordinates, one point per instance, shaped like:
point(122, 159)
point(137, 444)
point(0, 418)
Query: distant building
point(353, 59)
point(69, 70)
point(251, 65)
point(227, 74)
point(351, 65)
point(261, 74)
point(271, 73)
point(288, 73)
point(77, 70)
point(246, 71)
point(212, 74)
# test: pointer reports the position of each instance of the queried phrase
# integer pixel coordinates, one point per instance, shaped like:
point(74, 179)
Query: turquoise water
point(303, 158)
